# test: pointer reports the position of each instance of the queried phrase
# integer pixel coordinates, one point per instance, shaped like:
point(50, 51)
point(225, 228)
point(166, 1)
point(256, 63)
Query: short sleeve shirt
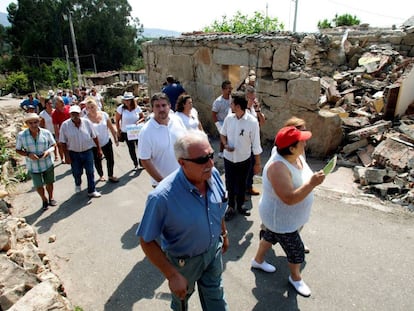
point(176, 212)
point(43, 141)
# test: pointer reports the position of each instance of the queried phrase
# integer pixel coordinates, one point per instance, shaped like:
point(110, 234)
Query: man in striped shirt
point(37, 145)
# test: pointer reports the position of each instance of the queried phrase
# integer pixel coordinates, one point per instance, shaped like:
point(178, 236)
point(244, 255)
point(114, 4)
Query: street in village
point(360, 258)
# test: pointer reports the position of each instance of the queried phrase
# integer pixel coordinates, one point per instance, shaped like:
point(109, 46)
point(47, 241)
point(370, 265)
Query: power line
point(366, 11)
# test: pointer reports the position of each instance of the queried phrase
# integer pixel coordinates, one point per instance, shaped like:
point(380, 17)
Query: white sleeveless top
point(276, 215)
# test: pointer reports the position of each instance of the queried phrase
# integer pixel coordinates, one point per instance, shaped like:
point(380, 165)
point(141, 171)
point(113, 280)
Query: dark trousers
point(132, 148)
point(109, 156)
point(83, 160)
point(236, 175)
point(249, 181)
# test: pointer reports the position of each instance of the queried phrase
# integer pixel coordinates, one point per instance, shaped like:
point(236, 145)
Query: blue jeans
point(83, 160)
point(205, 270)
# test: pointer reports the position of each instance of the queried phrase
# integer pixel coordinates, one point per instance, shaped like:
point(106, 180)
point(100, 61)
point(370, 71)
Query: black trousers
point(236, 176)
point(132, 148)
point(109, 156)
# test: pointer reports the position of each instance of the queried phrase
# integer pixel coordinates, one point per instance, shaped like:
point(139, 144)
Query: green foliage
point(102, 27)
point(244, 24)
point(346, 20)
point(324, 24)
point(17, 82)
point(339, 20)
point(13, 175)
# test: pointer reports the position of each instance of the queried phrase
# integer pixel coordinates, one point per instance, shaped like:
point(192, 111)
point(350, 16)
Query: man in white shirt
point(157, 138)
point(78, 137)
point(221, 108)
point(240, 136)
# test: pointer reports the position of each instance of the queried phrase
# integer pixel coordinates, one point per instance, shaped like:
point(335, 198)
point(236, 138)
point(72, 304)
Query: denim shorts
point(290, 242)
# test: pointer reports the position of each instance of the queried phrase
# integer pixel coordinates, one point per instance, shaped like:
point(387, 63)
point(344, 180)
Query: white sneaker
point(94, 194)
point(77, 189)
point(300, 287)
point(265, 266)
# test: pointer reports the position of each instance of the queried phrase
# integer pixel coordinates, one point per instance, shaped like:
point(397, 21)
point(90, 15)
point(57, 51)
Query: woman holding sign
point(102, 123)
point(127, 115)
point(285, 205)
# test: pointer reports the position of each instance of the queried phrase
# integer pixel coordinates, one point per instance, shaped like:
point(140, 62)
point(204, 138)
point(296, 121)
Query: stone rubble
point(26, 280)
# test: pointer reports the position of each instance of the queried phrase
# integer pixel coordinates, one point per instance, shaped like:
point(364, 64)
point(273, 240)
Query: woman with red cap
point(285, 205)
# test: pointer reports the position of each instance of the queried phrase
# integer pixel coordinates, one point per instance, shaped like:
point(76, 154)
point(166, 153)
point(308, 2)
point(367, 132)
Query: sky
point(192, 15)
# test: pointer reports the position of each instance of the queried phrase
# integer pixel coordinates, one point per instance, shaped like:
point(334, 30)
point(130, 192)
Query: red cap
point(289, 135)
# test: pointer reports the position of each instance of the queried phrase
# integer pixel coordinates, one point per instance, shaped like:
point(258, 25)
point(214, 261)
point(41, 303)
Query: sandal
point(113, 179)
point(102, 178)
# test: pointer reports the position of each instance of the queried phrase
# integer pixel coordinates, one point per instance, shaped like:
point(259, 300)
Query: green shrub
point(339, 20)
point(244, 24)
point(17, 82)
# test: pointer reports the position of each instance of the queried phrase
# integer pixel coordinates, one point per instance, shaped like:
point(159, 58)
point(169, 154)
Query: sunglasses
point(201, 160)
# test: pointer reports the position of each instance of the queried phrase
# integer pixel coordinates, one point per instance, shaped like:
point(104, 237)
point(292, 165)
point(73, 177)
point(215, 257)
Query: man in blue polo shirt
point(173, 89)
point(186, 213)
point(30, 101)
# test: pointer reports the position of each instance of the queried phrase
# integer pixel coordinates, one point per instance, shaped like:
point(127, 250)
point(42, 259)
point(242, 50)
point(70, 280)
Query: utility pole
point(296, 15)
point(75, 49)
point(69, 69)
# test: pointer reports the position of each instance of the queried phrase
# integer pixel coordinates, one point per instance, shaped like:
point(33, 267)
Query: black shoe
point(243, 212)
point(45, 205)
point(229, 214)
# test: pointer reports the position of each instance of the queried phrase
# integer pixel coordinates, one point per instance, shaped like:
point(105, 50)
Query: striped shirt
point(43, 141)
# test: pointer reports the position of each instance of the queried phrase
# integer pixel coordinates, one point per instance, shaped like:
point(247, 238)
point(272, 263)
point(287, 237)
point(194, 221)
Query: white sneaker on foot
point(265, 266)
point(94, 194)
point(300, 287)
point(77, 189)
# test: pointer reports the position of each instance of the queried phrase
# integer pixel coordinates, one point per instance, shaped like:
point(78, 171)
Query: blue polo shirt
point(187, 223)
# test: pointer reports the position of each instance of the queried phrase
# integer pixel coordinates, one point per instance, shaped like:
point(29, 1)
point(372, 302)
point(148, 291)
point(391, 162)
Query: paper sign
point(133, 131)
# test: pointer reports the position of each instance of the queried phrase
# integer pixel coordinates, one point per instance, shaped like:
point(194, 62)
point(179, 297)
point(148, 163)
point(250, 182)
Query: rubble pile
point(26, 280)
point(363, 89)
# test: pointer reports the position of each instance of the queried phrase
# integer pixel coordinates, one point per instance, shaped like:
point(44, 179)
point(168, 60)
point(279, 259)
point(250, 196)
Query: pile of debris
point(26, 280)
point(378, 121)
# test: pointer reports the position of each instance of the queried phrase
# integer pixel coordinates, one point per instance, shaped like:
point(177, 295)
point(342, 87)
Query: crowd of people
point(183, 229)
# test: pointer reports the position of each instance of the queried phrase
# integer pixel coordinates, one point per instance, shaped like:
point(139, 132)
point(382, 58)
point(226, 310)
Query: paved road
point(361, 257)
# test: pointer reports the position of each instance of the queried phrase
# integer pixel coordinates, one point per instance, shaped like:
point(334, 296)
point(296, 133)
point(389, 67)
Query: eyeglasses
point(201, 160)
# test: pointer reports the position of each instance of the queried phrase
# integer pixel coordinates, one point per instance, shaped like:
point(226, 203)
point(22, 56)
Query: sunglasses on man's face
point(201, 160)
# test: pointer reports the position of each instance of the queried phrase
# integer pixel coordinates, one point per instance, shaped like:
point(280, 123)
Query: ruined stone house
point(288, 66)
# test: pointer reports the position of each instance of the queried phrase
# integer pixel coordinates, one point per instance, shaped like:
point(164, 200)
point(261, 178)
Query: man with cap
point(286, 202)
point(77, 137)
point(173, 89)
point(30, 101)
point(37, 145)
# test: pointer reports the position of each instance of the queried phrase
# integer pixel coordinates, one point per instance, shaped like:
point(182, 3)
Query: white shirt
point(156, 143)
point(77, 139)
point(48, 121)
point(101, 129)
point(190, 122)
point(243, 134)
point(222, 107)
point(128, 117)
point(276, 215)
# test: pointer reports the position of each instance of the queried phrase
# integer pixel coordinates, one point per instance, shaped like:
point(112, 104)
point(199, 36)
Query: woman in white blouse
point(102, 123)
point(127, 114)
point(187, 113)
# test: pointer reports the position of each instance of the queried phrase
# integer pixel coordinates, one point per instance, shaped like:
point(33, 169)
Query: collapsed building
point(350, 85)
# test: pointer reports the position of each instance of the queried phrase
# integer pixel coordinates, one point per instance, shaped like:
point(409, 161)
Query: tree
point(244, 24)
point(339, 20)
point(102, 27)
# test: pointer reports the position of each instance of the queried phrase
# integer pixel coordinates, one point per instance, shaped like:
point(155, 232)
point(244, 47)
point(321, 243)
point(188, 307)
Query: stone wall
point(288, 68)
